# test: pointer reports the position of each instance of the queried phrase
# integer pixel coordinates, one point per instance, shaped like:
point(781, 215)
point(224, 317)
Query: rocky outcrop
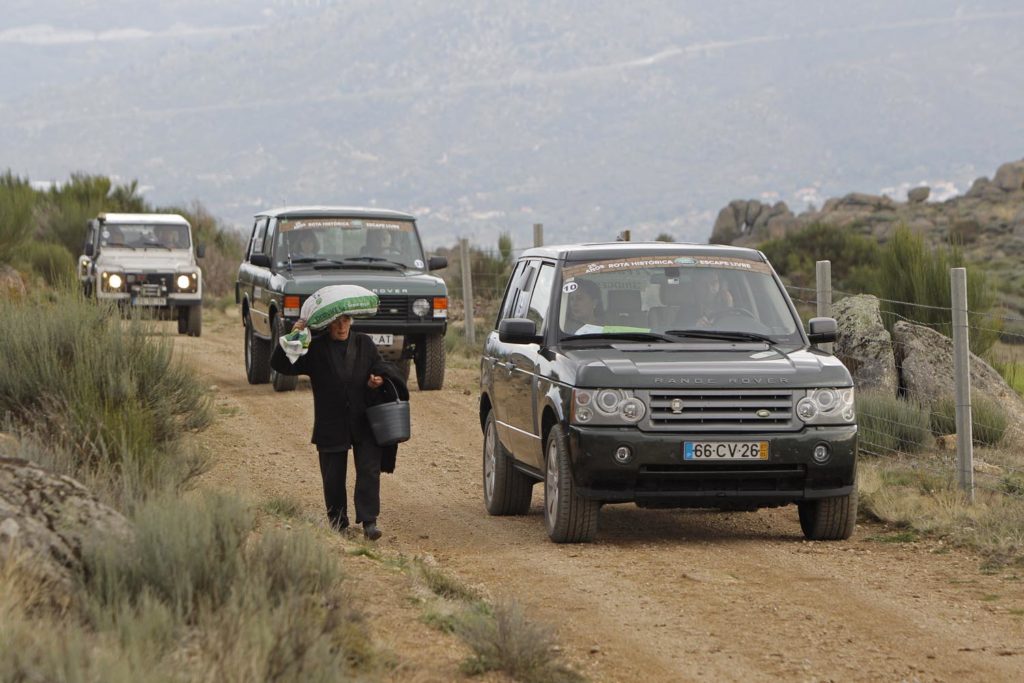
point(864, 345)
point(44, 520)
point(919, 194)
point(751, 219)
point(925, 360)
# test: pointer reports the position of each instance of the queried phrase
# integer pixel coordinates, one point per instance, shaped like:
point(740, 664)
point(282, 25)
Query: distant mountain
point(588, 116)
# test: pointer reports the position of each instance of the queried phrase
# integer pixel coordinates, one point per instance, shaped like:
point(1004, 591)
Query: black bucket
point(390, 421)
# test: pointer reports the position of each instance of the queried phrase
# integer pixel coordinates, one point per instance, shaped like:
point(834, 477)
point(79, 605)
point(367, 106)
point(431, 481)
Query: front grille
point(721, 478)
point(729, 410)
point(151, 290)
point(393, 308)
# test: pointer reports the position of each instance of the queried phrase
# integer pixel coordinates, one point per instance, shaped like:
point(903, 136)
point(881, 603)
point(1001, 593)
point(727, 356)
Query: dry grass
point(927, 501)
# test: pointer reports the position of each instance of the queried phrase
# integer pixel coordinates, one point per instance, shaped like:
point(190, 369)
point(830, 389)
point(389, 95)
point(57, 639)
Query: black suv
point(668, 375)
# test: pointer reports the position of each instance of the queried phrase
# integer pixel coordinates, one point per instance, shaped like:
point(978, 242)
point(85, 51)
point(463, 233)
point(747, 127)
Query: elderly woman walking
point(345, 370)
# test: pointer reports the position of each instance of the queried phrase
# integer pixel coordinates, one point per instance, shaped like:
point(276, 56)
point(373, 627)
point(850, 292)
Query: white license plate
point(725, 450)
point(150, 301)
point(383, 339)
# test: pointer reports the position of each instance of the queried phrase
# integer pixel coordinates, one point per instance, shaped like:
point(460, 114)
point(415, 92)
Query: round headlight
point(584, 414)
point(115, 281)
point(582, 397)
point(827, 399)
point(421, 307)
point(608, 400)
point(807, 409)
point(632, 410)
point(183, 282)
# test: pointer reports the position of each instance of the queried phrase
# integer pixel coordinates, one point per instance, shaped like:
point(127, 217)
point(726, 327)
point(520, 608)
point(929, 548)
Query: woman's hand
point(299, 325)
point(375, 381)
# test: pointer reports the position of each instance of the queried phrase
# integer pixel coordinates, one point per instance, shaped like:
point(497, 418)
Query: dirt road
point(661, 595)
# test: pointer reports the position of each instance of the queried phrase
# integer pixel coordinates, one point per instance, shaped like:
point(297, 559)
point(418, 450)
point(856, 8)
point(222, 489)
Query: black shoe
point(371, 531)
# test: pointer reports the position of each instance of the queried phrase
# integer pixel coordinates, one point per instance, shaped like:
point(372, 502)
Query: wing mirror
point(437, 262)
point(261, 260)
point(201, 251)
point(518, 331)
point(89, 249)
point(822, 330)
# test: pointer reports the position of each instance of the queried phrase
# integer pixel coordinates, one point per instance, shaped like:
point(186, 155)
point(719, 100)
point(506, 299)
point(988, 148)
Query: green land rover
point(295, 251)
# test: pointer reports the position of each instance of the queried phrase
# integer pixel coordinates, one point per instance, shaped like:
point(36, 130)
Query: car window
point(268, 240)
point(511, 290)
point(522, 302)
point(540, 300)
point(258, 233)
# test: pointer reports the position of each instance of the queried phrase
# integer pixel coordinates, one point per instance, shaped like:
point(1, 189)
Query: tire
point(507, 491)
point(280, 382)
point(430, 359)
point(569, 518)
point(195, 321)
point(257, 357)
point(182, 321)
point(828, 519)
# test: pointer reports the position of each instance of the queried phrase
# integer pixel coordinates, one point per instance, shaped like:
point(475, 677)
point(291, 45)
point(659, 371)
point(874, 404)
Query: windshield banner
point(643, 262)
point(343, 223)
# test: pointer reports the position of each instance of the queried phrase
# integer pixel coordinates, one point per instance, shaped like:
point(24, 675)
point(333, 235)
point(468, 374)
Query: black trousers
point(333, 468)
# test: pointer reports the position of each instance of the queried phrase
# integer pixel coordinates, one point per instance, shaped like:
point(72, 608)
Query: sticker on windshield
point(644, 262)
point(418, 263)
point(570, 287)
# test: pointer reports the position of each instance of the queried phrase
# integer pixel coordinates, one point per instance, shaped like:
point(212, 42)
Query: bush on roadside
point(889, 424)
point(50, 261)
point(17, 201)
point(988, 420)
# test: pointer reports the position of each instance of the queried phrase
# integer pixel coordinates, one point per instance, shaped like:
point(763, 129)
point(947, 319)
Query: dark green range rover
point(667, 375)
point(295, 251)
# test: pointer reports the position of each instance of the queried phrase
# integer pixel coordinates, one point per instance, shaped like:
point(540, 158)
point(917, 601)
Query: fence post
point(467, 291)
point(823, 278)
point(962, 379)
point(538, 234)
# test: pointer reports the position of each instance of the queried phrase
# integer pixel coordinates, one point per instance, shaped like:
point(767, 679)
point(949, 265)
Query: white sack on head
point(329, 303)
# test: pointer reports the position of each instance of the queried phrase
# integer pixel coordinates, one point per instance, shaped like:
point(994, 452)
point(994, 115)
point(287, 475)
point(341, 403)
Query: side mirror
point(437, 262)
point(261, 260)
point(201, 251)
point(822, 330)
point(518, 331)
point(89, 249)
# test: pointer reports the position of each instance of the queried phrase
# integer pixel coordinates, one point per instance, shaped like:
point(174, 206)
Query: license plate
point(725, 450)
point(383, 339)
point(150, 301)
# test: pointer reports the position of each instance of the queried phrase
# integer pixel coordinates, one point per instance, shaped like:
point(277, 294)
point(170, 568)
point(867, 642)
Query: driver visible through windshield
point(339, 240)
point(675, 297)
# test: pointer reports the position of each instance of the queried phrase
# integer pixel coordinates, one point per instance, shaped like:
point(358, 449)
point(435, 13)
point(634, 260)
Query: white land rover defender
point(145, 261)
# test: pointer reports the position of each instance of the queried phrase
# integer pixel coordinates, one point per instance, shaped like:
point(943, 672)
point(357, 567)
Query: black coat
point(339, 407)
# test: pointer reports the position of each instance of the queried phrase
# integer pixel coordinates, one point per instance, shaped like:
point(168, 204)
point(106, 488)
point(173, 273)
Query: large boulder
point(726, 228)
point(919, 194)
point(1010, 177)
point(925, 360)
point(864, 345)
point(44, 521)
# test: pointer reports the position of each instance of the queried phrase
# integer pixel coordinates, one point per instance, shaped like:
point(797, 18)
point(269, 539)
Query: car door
point(496, 355)
point(259, 278)
point(524, 359)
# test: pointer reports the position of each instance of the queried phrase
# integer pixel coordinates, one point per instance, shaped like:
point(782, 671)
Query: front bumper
point(658, 476)
point(396, 327)
point(165, 301)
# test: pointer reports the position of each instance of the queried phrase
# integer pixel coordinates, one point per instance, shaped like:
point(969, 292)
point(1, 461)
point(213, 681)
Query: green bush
point(854, 257)
point(917, 273)
point(988, 420)
point(51, 261)
point(17, 200)
point(889, 424)
point(100, 389)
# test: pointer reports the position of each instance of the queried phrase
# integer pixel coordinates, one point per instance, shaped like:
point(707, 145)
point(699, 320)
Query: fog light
point(821, 454)
point(623, 454)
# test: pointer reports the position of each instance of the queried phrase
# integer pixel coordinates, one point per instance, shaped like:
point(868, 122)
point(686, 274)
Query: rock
point(12, 285)
point(1010, 177)
point(925, 361)
point(754, 208)
point(946, 442)
point(858, 201)
point(726, 229)
point(978, 187)
point(44, 520)
point(864, 345)
point(919, 195)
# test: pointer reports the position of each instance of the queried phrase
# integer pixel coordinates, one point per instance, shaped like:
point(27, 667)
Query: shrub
point(988, 420)
point(51, 261)
point(889, 424)
point(17, 200)
point(854, 257)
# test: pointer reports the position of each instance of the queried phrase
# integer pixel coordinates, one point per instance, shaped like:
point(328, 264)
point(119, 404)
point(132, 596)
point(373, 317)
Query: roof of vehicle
point(609, 250)
point(335, 212)
point(146, 218)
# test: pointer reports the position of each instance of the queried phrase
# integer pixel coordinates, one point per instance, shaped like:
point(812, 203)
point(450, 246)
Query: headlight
point(112, 282)
point(187, 282)
point(826, 406)
point(420, 307)
point(183, 282)
point(606, 407)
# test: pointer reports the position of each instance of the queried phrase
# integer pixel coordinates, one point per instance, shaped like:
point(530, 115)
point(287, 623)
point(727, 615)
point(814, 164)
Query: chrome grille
point(725, 410)
point(151, 290)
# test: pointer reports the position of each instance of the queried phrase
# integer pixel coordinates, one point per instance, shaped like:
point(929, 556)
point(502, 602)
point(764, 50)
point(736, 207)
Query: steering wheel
point(736, 311)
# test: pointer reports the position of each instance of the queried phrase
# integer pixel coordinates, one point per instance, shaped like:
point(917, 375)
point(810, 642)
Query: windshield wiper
point(725, 335)
point(630, 336)
point(376, 259)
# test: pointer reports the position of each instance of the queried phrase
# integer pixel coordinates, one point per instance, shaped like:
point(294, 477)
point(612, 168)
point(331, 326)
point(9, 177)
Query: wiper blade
point(724, 335)
point(631, 336)
point(307, 259)
point(375, 260)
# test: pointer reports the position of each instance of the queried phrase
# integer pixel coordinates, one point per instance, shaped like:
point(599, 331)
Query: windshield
point(668, 295)
point(313, 240)
point(144, 236)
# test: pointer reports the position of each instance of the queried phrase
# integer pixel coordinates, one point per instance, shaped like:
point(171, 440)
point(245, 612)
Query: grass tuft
point(889, 424)
point(989, 421)
point(280, 506)
point(445, 586)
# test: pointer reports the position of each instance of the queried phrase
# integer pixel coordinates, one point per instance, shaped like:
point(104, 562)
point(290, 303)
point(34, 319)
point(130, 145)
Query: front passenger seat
point(625, 308)
point(668, 316)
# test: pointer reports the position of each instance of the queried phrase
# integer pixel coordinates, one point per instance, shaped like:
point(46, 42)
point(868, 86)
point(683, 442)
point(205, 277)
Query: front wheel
point(280, 382)
point(194, 325)
point(430, 362)
point(569, 517)
point(507, 491)
point(828, 519)
point(257, 356)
